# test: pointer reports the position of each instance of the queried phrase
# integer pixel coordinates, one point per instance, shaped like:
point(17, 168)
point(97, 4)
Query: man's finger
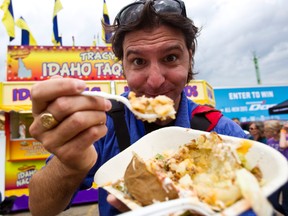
point(117, 203)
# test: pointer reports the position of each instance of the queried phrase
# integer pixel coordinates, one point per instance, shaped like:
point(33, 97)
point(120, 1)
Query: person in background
point(283, 141)
point(256, 130)
point(283, 144)
point(274, 131)
point(245, 127)
point(156, 41)
point(22, 130)
point(236, 120)
point(2, 121)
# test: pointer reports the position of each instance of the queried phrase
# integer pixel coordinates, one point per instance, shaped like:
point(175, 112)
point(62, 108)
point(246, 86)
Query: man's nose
point(156, 75)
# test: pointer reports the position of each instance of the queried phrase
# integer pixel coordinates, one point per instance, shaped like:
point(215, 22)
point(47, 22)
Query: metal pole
point(257, 69)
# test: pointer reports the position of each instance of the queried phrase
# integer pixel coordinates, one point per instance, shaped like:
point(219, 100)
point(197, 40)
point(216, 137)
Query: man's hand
point(81, 121)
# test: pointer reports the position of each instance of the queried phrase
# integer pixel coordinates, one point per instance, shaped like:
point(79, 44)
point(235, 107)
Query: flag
point(27, 37)
point(94, 41)
point(60, 40)
point(98, 40)
point(56, 39)
point(105, 36)
point(8, 18)
point(73, 41)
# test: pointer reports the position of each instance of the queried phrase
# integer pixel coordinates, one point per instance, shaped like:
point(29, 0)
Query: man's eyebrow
point(167, 49)
point(132, 51)
point(174, 47)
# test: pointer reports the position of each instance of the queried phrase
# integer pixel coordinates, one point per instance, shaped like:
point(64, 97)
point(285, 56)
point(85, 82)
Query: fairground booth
point(21, 155)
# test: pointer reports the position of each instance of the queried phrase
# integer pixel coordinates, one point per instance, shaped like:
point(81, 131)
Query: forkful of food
point(144, 108)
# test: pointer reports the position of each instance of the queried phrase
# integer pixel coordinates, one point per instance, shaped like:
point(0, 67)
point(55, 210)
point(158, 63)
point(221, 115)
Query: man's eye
point(170, 58)
point(138, 61)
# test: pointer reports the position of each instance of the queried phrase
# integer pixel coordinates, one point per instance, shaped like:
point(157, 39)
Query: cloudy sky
point(232, 30)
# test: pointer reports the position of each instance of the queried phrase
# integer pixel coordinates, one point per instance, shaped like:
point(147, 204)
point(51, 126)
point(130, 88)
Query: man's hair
point(150, 19)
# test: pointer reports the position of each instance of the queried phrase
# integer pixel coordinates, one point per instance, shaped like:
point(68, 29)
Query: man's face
point(156, 62)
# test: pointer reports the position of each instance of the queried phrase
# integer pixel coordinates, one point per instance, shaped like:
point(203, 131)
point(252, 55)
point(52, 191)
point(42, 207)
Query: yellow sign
point(197, 90)
point(33, 63)
point(16, 96)
point(200, 92)
point(26, 149)
point(18, 174)
point(121, 87)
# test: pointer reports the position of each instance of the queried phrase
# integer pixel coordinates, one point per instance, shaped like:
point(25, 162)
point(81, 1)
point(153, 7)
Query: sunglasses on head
point(131, 12)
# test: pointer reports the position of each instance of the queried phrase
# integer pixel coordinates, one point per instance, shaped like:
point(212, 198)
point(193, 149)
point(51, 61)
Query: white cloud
point(231, 32)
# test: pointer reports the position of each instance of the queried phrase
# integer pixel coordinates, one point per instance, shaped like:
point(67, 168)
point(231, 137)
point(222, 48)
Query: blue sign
point(250, 103)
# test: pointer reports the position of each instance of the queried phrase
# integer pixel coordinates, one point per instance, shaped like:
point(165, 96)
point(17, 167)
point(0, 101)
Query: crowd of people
point(273, 133)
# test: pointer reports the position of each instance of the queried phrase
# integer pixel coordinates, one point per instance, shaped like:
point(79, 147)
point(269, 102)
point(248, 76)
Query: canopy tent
point(281, 108)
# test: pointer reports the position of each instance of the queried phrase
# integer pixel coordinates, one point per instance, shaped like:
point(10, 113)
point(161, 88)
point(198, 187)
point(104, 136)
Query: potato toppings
point(161, 105)
point(144, 186)
point(207, 169)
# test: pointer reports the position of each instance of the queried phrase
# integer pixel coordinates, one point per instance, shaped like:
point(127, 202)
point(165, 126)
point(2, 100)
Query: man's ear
point(123, 70)
point(190, 73)
point(190, 55)
point(190, 58)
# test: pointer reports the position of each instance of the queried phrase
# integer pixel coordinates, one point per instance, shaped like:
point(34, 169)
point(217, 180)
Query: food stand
point(25, 155)
point(22, 155)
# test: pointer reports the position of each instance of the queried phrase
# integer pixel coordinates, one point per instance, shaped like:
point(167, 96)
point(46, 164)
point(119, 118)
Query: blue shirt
point(107, 147)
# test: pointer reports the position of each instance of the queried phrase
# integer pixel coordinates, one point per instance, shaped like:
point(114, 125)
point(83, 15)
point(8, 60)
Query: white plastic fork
point(170, 207)
point(125, 101)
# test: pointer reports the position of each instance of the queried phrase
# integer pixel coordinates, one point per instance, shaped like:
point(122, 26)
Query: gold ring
point(48, 121)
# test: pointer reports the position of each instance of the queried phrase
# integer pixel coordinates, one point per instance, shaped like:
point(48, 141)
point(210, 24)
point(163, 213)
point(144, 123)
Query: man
point(156, 43)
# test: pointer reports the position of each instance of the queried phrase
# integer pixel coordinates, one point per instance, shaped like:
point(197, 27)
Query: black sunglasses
point(131, 12)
